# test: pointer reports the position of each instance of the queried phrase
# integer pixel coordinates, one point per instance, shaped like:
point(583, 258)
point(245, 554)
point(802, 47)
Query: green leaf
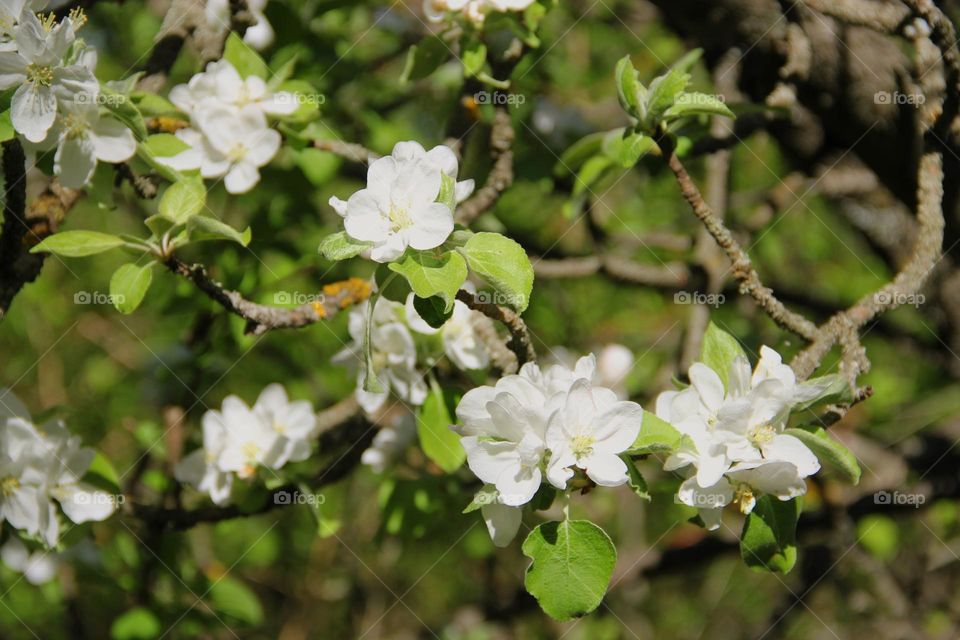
point(572, 564)
point(696, 104)
point(590, 173)
point(636, 479)
point(284, 73)
point(579, 152)
point(474, 58)
point(340, 246)
point(430, 275)
point(138, 623)
point(829, 389)
point(183, 199)
point(235, 599)
point(438, 441)
point(424, 58)
point(246, 61)
point(768, 542)
point(151, 105)
point(124, 110)
point(828, 449)
point(433, 310)
point(719, 351)
point(629, 90)
point(487, 495)
point(664, 91)
point(165, 145)
point(627, 147)
point(6, 127)
point(212, 229)
point(76, 244)
point(129, 284)
point(656, 435)
point(102, 475)
point(504, 264)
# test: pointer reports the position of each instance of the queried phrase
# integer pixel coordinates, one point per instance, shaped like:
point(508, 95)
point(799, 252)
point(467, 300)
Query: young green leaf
point(627, 147)
point(246, 61)
point(696, 104)
point(629, 90)
point(123, 109)
point(487, 495)
point(424, 58)
point(212, 229)
point(572, 564)
point(832, 388)
point(664, 91)
point(433, 427)
point(828, 449)
point(183, 199)
point(768, 542)
point(340, 246)
point(719, 351)
point(448, 191)
point(636, 479)
point(6, 127)
point(138, 623)
point(474, 58)
point(504, 264)
point(165, 145)
point(656, 435)
point(433, 310)
point(129, 284)
point(430, 275)
point(76, 244)
point(233, 598)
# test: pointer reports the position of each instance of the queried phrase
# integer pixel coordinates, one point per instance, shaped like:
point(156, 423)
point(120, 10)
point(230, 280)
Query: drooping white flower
point(590, 432)
point(229, 143)
point(38, 567)
point(295, 422)
point(82, 137)
point(394, 355)
point(399, 207)
point(741, 485)
point(259, 35)
point(80, 501)
point(221, 85)
point(42, 74)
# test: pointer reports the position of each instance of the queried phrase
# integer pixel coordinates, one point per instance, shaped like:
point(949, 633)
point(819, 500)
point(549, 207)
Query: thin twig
point(520, 342)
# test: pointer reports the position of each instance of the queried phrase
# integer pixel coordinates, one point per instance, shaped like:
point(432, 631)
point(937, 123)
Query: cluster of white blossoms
point(474, 10)
point(38, 567)
point(543, 424)
point(229, 136)
point(238, 439)
point(395, 333)
point(56, 103)
point(400, 207)
point(734, 448)
point(40, 466)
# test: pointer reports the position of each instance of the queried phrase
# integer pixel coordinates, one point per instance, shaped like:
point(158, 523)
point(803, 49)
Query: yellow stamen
point(39, 75)
point(582, 446)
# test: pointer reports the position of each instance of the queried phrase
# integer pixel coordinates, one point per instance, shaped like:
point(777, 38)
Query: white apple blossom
point(44, 76)
point(221, 85)
point(295, 422)
point(229, 143)
point(38, 567)
point(733, 436)
point(38, 466)
point(82, 137)
point(504, 431)
point(590, 432)
point(394, 355)
point(250, 441)
point(399, 207)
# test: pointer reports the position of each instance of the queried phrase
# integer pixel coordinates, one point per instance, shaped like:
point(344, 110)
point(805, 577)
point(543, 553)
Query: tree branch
point(262, 318)
point(520, 342)
point(501, 175)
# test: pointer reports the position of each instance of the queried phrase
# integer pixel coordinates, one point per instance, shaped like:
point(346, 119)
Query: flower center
point(237, 153)
point(582, 446)
point(48, 22)
point(75, 127)
point(8, 485)
point(250, 450)
point(78, 17)
point(744, 498)
point(762, 435)
point(278, 426)
point(39, 75)
point(399, 218)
